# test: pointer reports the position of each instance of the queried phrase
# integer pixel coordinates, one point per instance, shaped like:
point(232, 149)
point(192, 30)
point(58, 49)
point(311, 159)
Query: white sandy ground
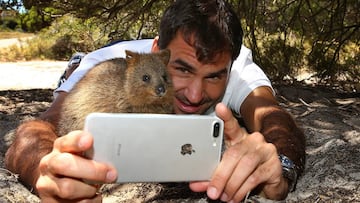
point(8, 42)
point(30, 75)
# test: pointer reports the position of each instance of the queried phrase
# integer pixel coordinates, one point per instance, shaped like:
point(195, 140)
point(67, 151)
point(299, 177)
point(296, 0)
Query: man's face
point(197, 86)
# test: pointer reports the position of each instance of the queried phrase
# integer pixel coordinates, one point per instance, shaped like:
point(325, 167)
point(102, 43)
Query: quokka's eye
point(146, 78)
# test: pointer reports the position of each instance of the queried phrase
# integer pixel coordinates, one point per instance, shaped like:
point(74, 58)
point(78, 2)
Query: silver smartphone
point(157, 147)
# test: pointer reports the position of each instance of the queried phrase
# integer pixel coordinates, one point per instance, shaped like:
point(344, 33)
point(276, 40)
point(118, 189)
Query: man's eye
point(214, 79)
point(183, 70)
point(146, 78)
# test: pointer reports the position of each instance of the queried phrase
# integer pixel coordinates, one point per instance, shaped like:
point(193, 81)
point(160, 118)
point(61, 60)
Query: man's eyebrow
point(192, 69)
point(218, 73)
point(185, 64)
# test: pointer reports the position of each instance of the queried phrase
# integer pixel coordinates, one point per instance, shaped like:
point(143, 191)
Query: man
point(205, 38)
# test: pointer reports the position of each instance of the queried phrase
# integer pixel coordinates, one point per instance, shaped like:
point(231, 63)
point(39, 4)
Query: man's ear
point(155, 47)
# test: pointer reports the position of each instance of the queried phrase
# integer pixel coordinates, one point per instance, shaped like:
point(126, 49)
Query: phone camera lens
point(216, 130)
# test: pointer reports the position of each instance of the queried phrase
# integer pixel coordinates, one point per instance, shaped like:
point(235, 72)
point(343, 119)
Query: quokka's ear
point(164, 55)
point(130, 54)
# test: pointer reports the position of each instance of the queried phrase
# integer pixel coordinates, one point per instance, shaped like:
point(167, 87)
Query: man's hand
point(63, 170)
point(248, 162)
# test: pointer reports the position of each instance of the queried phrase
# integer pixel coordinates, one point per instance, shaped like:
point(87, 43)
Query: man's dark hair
point(213, 24)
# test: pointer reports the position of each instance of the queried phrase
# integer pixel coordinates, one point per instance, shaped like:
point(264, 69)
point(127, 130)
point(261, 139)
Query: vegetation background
point(288, 37)
point(316, 39)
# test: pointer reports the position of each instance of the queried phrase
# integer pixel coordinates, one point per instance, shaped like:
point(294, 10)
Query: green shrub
point(65, 36)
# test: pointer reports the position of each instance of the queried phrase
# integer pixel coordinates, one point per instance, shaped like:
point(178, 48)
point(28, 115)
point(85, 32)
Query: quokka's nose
point(160, 90)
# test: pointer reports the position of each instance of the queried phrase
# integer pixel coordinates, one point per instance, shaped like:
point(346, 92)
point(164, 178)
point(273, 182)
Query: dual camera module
point(216, 130)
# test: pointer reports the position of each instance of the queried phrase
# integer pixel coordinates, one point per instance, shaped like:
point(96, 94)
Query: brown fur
point(22, 159)
point(118, 86)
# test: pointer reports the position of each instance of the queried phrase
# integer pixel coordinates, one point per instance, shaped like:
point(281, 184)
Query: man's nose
point(195, 91)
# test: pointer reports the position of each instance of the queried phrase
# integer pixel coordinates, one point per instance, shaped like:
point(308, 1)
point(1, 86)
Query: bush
point(65, 36)
point(8, 24)
point(12, 24)
point(65, 46)
point(34, 19)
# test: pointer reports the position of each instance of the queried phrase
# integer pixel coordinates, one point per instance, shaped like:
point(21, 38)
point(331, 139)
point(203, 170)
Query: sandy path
point(30, 75)
point(8, 42)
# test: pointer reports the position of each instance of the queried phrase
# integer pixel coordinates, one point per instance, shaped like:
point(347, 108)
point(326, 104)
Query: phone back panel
point(157, 147)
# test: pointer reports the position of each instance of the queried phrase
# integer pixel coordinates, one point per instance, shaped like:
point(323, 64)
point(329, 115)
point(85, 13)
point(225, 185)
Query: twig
point(303, 102)
point(14, 175)
point(306, 113)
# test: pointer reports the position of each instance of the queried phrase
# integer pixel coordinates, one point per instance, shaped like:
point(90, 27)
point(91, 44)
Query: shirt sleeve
point(245, 76)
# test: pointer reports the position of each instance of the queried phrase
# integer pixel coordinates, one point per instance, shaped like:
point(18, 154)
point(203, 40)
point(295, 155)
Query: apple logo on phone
point(187, 149)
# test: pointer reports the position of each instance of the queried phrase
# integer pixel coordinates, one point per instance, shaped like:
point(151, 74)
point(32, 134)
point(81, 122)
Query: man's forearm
point(33, 140)
point(279, 128)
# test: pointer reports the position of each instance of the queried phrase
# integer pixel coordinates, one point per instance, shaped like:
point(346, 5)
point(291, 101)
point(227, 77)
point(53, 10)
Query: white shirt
point(245, 75)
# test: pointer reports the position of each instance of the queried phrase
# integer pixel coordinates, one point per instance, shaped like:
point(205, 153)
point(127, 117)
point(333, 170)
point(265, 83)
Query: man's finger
point(199, 186)
point(233, 132)
point(70, 165)
point(65, 188)
point(224, 171)
point(74, 142)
